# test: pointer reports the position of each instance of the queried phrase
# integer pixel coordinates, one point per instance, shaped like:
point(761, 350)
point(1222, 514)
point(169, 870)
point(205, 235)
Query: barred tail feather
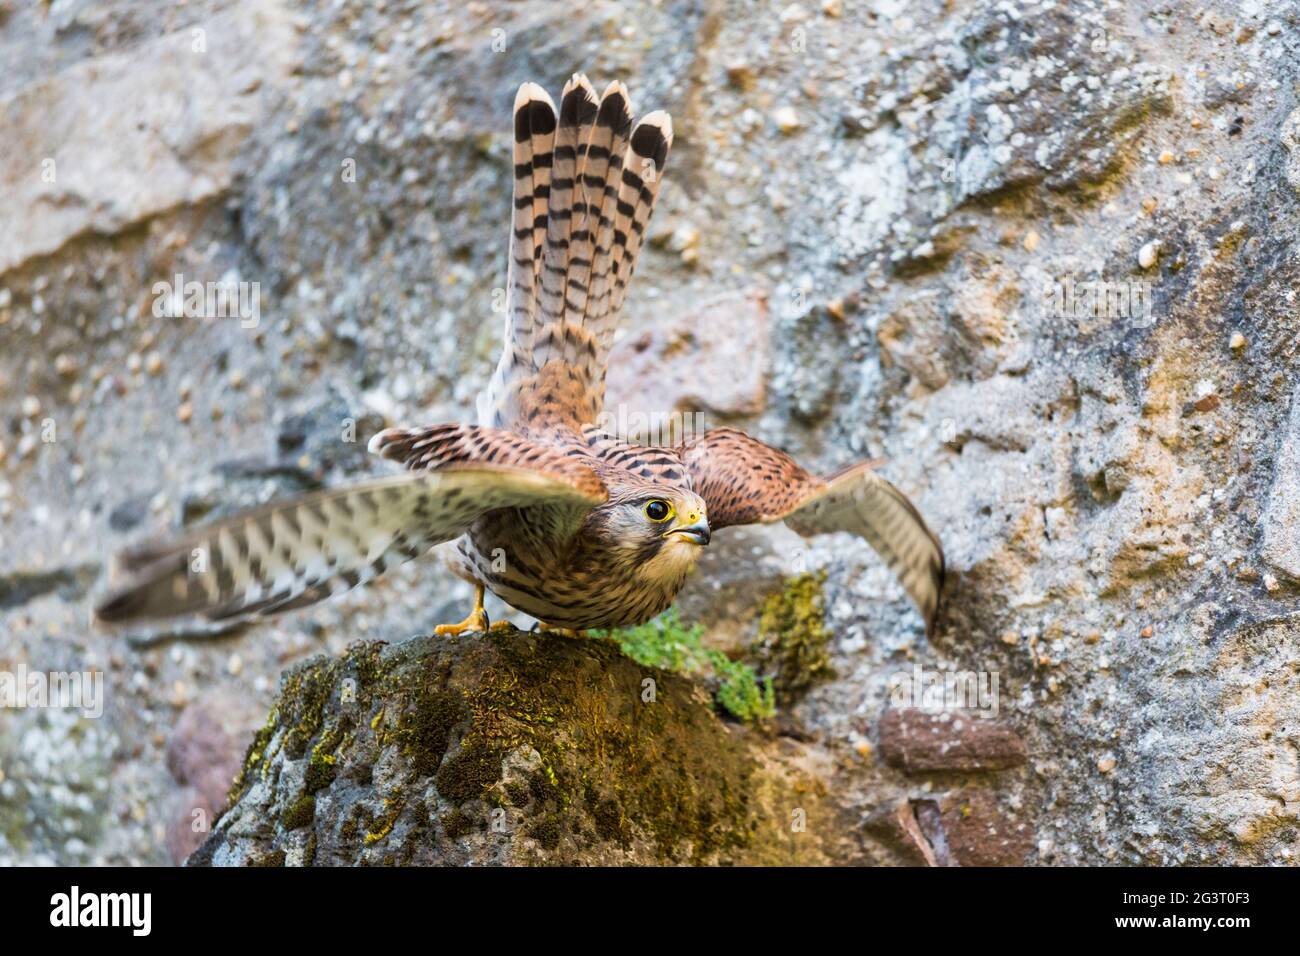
point(567, 236)
point(613, 126)
point(642, 172)
point(643, 166)
point(601, 184)
point(533, 155)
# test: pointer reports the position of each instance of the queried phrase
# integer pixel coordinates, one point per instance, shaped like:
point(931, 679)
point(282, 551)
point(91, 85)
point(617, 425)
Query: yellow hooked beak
point(697, 530)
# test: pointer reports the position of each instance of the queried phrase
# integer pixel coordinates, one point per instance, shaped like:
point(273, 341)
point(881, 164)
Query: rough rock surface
point(511, 748)
point(908, 184)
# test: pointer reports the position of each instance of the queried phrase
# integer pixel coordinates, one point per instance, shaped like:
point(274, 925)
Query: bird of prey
point(573, 526)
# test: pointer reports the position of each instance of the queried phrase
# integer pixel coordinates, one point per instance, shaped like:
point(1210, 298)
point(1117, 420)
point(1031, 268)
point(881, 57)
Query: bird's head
point(658, 530)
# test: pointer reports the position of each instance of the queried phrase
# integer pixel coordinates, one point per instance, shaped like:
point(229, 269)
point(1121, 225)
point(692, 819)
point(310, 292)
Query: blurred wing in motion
point(296, 552)
point(744, 481)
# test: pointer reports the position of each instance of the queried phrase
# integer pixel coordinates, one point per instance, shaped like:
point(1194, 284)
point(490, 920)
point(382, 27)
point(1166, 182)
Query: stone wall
point(881, 236)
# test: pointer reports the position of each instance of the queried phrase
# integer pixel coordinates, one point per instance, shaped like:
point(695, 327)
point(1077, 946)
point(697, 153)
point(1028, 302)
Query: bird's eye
point(658, 510)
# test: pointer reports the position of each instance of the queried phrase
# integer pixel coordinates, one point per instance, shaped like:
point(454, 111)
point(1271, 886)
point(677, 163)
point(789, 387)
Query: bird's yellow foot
point(476, 621)
point(496, 627)
point(566, 631)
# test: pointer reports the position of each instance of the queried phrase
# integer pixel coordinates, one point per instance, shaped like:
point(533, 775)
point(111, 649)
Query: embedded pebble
point(1148, 254)
point(787, 120)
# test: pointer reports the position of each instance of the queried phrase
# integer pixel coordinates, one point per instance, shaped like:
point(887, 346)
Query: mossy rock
point(504, 748)
point(793, 641)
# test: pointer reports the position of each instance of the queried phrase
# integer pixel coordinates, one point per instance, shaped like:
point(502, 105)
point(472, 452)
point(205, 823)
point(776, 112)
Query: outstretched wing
point(437, 447)
point(744, 481)
point(443, 447)
point(296, 552)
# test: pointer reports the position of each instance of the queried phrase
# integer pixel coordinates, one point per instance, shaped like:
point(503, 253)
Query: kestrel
point(571, 525)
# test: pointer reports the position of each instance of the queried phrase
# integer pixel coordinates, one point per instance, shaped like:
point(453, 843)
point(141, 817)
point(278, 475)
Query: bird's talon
point(476, 621)
point(563, 631)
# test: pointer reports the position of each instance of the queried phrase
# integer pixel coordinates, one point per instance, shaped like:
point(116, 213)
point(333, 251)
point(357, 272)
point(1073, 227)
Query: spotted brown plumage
point(747, 482)
point(571, 525)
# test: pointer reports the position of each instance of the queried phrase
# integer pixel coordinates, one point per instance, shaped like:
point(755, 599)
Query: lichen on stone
point(793, 641)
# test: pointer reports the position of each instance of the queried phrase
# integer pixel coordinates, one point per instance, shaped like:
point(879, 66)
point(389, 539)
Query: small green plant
point(741, 694)
point(667, 643)
point(663, 642)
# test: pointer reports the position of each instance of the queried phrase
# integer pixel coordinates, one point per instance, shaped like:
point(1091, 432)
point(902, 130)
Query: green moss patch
point(300, 813)
point(425, 729)
point(469, 771)
point(793, 642)
point(459, 823)
point(273, 859)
